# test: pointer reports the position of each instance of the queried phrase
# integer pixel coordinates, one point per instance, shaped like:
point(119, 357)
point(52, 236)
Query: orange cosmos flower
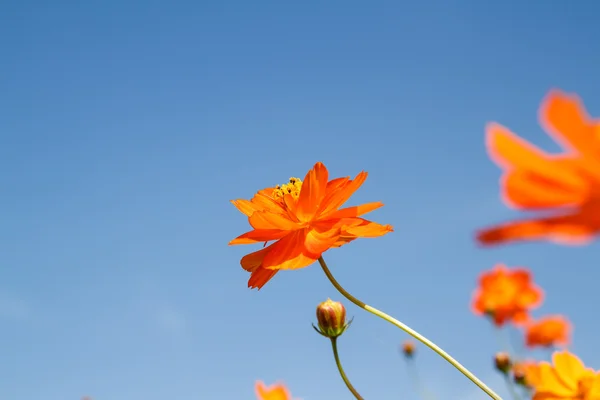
point(273, 392)
point(566, 379)
point(506, 295)
point(304, 219)
point(567, 184)
point(553, 330)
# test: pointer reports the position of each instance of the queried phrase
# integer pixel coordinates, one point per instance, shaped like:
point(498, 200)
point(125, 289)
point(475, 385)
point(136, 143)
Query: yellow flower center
point(292, 188)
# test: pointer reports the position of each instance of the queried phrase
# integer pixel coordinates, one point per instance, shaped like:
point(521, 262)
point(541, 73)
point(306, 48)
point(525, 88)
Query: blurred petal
point(573, 229)
point(565, 118)
point(525, 190)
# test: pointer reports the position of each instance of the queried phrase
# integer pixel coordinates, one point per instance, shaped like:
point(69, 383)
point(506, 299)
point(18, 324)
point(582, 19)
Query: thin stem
point(411, 332)
point(511, 388)
point(342, 373)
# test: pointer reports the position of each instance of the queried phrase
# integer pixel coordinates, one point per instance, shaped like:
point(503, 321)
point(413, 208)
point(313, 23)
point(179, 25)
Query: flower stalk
point(410, 331)
point(341, 370)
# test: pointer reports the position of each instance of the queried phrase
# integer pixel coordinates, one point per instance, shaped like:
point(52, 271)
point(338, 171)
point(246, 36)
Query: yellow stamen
point(292, 188)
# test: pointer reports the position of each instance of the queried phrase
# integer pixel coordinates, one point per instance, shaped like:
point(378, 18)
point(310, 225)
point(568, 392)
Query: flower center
point(292, 188)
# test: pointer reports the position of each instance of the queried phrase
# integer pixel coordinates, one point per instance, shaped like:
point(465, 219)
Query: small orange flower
point(553, 330)
point(273, 392)
point(566, 379)
point(568, 183)
point(506, 295)
point(305, 220)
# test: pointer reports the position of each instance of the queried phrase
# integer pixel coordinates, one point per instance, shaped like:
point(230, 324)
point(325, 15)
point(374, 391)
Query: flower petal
point(317, 242)
point(312, 192)
point(565, 118)
point(550, 385)
point(273, 392)
point(368, 229)
point(260, 277)
point(569, 368)
point(259, 235)
point(264, 201)
point(245, 206)
point(341, 195)
point(356, 211)
point(288, 253)
point(511, 152)
point(269, 220)
point(252, 261)
point(523, 189)
point(574, 229)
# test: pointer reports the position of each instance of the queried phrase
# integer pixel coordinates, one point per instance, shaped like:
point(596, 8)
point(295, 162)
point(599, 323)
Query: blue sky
point(126, 128)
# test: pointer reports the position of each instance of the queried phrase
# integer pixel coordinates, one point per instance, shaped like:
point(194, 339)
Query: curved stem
point(342, 373)
point(411, 332)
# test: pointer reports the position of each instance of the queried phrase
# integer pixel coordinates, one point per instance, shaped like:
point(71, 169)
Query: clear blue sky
point(127, 126)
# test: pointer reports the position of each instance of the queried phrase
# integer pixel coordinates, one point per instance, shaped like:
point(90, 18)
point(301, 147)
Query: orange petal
point(274, 392)
point(264, 201)
point(549, 383)
point(312, 192)
point(245, 206)
point(369, 230)
point(569, 368)
point(289, 252)
point(335, 184)
point(252, 261)
point(317, 242)
point(565, 118)
point(260, 277)
point(269, 220)
point(573, 229)
point(341, 195)
point(259, 235)
point(523, 189)
point(511, 152)
point(356, 211)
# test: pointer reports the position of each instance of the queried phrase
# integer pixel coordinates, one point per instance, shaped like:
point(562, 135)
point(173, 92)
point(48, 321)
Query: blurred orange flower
point(554, 330)
point(568, 379)
point(273, 392)
point(506, 295)
point(567, 183)
point(304, 219)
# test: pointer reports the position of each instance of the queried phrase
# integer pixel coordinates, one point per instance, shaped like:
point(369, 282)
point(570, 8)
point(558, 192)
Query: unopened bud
point(519, 372)
point(408, 348)
point(502, 362)
point(331, 316)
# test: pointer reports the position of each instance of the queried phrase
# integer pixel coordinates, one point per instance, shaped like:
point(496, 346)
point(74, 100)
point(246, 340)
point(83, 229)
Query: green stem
point(511, 388)
point(411, 332)
point(342, 373)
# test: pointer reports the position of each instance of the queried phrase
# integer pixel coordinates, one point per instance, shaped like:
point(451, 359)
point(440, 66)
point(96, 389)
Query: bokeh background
point(127, 126)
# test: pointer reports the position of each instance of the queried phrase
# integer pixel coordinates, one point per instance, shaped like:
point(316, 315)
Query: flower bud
point(519, 377)
point(502, 362)
point(331, 316)
point(520, 371)
point(408, 348)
